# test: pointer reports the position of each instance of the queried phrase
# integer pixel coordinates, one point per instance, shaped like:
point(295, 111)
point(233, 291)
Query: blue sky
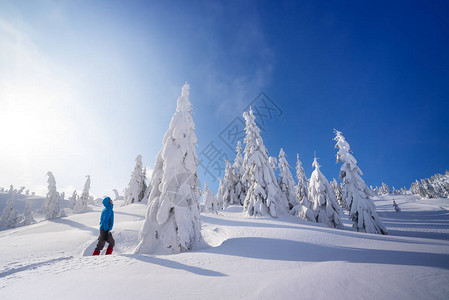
point(86, 87)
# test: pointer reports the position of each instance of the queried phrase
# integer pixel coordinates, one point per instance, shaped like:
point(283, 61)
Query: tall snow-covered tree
point(136, 187)
point(83, 200)
point(172, 222)
point(210, 201)
point(324, 202)
point(51, 203)
point(239, 186)
point(286, 182)
point(264, 196)
point(362, 210)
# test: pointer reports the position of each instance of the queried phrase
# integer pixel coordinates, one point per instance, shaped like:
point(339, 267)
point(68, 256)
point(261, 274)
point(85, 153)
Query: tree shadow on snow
point(306, 225)
point(174, 265)
point(287, 250)
point(129, 214)
point(8, 272)
point(76, 225)
point(238, 223)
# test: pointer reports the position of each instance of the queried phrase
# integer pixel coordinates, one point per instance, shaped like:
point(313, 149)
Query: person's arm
point(111, 224)
point(102, 218)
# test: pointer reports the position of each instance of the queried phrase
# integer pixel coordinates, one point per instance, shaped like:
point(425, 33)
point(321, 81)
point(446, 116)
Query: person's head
point(107, 201)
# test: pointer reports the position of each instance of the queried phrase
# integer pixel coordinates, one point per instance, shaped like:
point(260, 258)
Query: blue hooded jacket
point(107, 215)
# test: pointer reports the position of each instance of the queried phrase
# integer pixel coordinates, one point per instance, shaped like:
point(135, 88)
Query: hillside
point(249, 258)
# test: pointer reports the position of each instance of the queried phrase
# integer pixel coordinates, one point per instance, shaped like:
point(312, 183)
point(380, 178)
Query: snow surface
point(244, 258)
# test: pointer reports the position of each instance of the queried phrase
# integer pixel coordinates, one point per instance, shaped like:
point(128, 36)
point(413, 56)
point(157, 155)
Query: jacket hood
point(107, 202)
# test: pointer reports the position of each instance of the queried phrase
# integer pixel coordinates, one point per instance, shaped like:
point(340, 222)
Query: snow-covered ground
point(245, 258)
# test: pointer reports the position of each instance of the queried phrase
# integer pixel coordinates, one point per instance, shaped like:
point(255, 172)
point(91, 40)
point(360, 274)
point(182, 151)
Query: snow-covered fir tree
point(51, 203)
point(286, 182)
point(144, 185)
point(436, 186)
point(28, 213)
point(136, 187)
point(239, 186)
point(228, 187)
point(362, 210)
point(385, 189)
point(324, 202)
point(20, 191)
point(172, 222)
point(338, 193)
point(116, 195)
point(10, 216)
point(220, 192)
point(302, 190)
point(303, 208)
point(209, 199)
point(73, 200)
point(264, 196)
point(83, 200)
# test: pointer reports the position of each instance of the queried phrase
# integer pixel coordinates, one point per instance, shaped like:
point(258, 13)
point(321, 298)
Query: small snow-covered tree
point(356, 194)
point(385, 189)
point(28, 213)
point(116, 195)
point(210, 201)
point(51, 203)
point(302, 191)
point(303, 208)
point(286, 182)
point(239, 186)
point(136, 187)
point(324, 202)
point(83, 200)
point(220, 192)
point(10, 217)
point(229, 196)
point(172, 222)
point(264, 196)
point(73, 200)
point(20, 191)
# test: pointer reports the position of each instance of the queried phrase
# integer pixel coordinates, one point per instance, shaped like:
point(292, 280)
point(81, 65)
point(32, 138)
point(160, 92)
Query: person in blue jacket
point(106, 224)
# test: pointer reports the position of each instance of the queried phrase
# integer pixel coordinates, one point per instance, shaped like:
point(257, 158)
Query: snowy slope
point(250, 258)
